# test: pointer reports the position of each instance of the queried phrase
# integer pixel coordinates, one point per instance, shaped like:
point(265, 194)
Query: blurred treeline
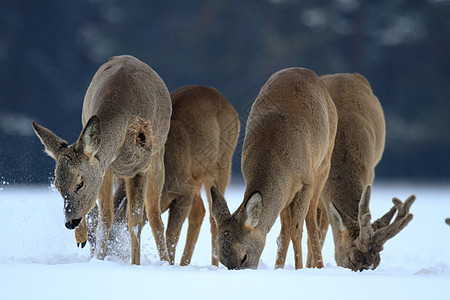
point(49, 51)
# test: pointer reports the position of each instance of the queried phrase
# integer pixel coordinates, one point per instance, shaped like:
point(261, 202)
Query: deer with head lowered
point(344, 202)
point(126, 116)
point(285, 162)
point(203, 133)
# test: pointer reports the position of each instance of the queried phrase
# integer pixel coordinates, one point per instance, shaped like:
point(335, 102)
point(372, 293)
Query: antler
point(364, 239)
point(384, 220)
point(373, 236)
point(402, 219)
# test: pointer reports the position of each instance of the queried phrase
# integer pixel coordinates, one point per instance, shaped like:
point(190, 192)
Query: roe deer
point(203, 133)
point(126, 117)
point(345, 198)
point(285, 162)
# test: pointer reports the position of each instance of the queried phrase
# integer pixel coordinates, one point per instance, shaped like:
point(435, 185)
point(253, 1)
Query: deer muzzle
point(73, 223)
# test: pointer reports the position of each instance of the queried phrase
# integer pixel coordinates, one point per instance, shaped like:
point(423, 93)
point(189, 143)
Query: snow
point(39, 258)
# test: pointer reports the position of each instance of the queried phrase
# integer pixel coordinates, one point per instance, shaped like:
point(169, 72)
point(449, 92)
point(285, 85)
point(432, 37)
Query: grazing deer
point(126, 117)
point(285, 162)
point(345, 198)
point(203, 133)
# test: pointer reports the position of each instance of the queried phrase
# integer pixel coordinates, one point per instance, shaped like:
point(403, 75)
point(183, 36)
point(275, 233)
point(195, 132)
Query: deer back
point(359, 142)
point(289, 134)
point(133, 105)
point(358, 148)
point(203, 134)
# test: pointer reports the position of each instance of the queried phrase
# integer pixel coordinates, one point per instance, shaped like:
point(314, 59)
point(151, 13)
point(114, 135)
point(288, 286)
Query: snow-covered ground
point(39, 258)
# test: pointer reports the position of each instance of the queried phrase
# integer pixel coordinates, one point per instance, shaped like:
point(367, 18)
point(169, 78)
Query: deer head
point(240, 240)
point(361, 251)
point(78, 174)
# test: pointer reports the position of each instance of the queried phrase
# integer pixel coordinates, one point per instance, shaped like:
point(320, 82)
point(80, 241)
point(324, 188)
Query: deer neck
point(345, 195)
point(274, 197)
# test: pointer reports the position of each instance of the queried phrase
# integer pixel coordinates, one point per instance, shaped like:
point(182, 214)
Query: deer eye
point(79, 186)
point(244, 259)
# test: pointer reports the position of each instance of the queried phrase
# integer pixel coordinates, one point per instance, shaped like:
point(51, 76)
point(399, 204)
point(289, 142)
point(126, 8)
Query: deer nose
point(73, 224)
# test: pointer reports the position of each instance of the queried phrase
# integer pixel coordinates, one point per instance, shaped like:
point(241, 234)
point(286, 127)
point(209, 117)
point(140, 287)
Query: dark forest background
point(50, 50)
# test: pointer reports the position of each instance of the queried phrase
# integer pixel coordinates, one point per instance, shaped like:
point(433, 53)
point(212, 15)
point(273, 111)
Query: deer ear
point(253, 208)
point(53, 144)
point(337, 218)
point(219, 206)
point(89, 140)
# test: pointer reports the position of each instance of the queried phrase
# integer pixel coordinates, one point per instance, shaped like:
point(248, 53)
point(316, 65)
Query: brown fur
point(199, 149)
point(345, 198)
point(285, 162)
point(126, 116)
point(202, 138)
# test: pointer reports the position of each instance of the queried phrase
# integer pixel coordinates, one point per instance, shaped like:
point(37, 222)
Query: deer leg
point(85, 232)
point(284, 238)
point(120, 222)
point(178, 211)
point(152, 202)
point(323, 223)
point(91, 225)
point(105, 214)
point(299, 209)
point(81, 233)
point(309, 258)
point(314, 244)
point(136, 190)
point(120, 196)
point(195, 220)
point(314, 235)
